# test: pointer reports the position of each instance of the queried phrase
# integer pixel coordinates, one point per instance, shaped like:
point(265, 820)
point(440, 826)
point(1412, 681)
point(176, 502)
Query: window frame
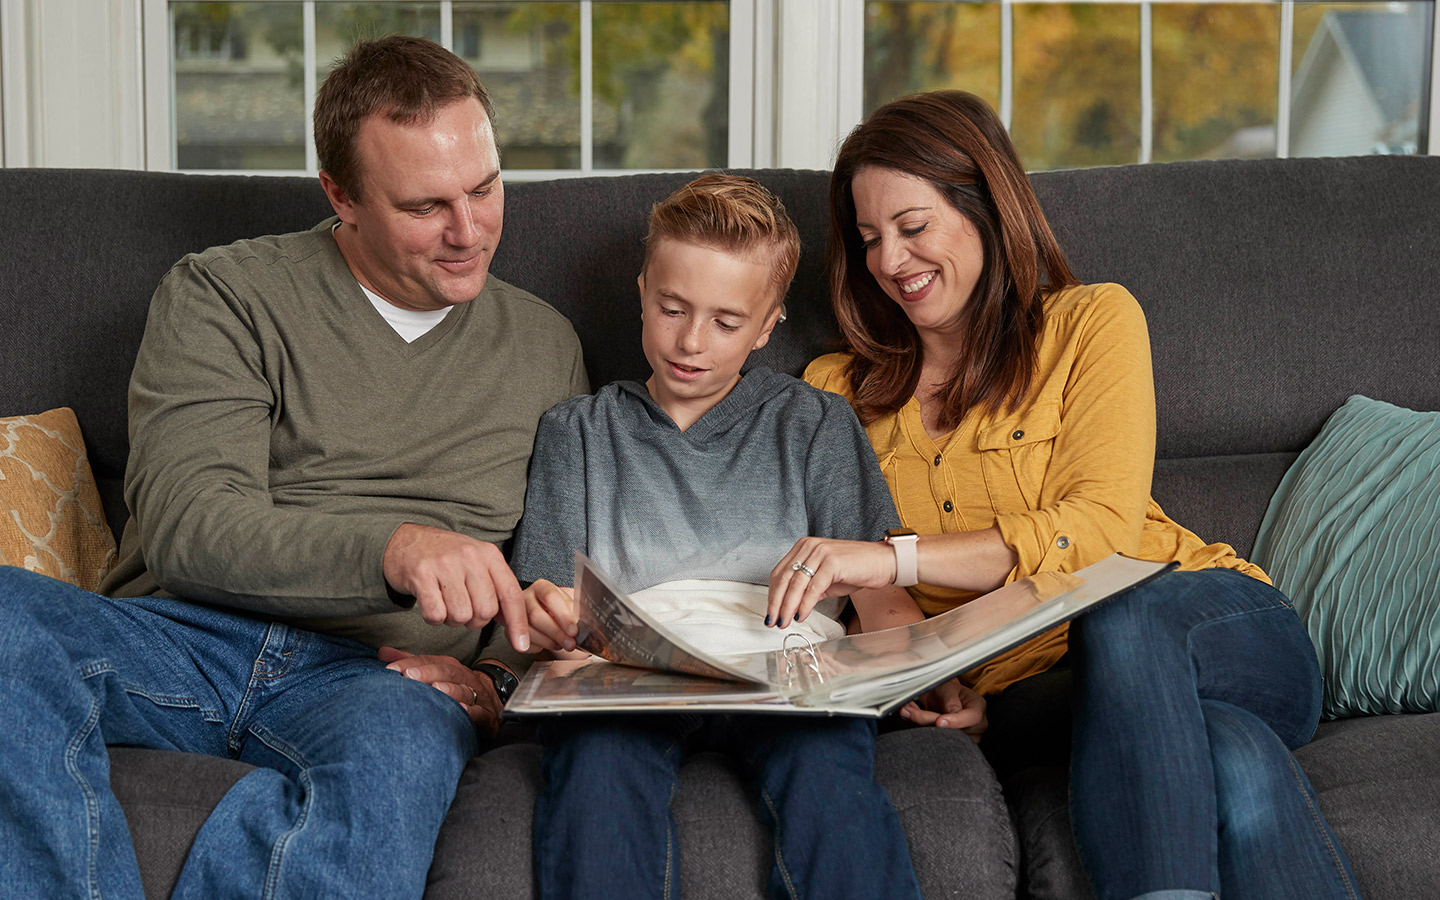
point(746, 102)
point(796, 83)
point(851, 73)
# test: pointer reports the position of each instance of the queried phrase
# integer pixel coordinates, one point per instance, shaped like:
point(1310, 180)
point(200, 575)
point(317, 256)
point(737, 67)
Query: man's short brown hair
point(408, 79)
point(734, 214)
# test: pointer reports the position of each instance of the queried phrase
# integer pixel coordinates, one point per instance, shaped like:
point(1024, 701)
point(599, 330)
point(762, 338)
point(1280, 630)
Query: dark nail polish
point(768, 620)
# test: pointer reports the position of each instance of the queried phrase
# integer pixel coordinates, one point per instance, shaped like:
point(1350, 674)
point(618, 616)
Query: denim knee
point(1251, 769)
point(621, 748)
point(31, 605)
point(827, 751)
point(1166, 610)
point(430, 724)
point(419, 737)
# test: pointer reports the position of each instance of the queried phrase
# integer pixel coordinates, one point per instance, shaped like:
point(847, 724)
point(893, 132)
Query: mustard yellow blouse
point(1065, 477)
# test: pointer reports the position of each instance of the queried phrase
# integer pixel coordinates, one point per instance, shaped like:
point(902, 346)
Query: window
point(1097, 83)
point(579, 87)
point(602, 86)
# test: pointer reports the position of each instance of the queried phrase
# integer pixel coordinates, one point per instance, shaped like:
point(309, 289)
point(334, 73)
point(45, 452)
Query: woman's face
point(924, 254)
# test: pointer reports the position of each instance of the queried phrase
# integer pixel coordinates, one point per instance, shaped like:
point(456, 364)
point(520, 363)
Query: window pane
point(528, 56)
point(1359, 84)
point(662, 84)
point(239, 93)
point(1216, 80)
point(913, 46)
point(340, 26)
point(1077, 84)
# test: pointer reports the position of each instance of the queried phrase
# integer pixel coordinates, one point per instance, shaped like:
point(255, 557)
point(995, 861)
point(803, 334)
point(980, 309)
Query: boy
point(706, 475)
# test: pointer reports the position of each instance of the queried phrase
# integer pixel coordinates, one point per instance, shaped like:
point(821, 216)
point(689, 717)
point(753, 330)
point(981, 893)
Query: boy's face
point(703, 311)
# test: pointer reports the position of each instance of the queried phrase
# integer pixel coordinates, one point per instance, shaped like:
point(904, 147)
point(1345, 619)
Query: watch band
point(906, 544)
point(505, 683)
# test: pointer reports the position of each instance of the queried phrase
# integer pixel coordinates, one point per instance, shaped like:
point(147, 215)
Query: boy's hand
point(951, 705)
point(551, 613)
point(816, 568)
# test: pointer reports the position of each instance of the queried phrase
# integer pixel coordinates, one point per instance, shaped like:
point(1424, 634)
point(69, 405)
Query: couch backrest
point(1274, 289)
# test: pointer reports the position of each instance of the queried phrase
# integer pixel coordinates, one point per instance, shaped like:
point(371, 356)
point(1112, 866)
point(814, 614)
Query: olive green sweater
point(280, 431)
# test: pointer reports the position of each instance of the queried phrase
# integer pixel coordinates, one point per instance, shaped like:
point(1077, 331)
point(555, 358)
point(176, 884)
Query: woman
point(1012, 410)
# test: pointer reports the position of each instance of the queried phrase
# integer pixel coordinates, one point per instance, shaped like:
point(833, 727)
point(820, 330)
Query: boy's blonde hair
point(734, 214)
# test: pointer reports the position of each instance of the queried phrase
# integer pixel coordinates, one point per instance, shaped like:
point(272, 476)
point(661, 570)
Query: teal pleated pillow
point(1352, 536)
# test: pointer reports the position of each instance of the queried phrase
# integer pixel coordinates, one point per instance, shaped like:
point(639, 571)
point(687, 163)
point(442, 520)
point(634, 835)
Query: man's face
point(426, 230)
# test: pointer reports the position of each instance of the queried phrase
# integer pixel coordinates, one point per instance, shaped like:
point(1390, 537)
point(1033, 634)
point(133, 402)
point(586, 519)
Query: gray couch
point(1273, 289)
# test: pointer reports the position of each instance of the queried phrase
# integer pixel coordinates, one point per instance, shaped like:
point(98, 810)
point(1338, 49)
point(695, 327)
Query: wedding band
point(801, 567)
point(474, 696)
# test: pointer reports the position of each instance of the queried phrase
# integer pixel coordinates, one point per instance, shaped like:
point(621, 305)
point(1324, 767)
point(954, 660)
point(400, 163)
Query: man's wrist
point(491, 661)
point(500, 677)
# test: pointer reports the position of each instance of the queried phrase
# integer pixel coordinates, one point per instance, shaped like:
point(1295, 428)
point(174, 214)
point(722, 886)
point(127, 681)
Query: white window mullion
point(1432, 136)
point(1282, 106)
point(744, 74)
point(1007, 62)
point(158, 45)
point(807, 83)
point(587, 88)
point(14, 84)
point(1147, 82)
point(850, 62)
point(312, 161)
point(140, 73)
point(767, 84)
point(447, 25)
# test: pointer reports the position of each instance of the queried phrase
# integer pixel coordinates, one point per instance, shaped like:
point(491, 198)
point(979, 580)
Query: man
point(329, 436)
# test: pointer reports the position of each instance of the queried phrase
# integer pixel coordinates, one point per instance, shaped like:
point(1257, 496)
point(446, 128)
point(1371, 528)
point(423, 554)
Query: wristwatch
point(505, 683)
point(907, 555)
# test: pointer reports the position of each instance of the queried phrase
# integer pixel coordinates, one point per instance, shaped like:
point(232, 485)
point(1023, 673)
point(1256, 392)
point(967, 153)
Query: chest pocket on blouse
point(1020, 446)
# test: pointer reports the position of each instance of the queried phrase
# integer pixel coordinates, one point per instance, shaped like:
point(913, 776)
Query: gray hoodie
point(614, 477)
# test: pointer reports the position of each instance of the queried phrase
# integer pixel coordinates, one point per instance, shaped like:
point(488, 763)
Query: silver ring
point(801, 567)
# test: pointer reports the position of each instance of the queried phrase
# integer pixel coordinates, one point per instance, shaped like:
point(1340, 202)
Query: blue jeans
point(358, 764)
point(1190, 694)
point(603, 825)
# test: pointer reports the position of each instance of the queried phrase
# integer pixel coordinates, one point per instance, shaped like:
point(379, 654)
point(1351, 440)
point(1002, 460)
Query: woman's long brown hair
point(953, 140)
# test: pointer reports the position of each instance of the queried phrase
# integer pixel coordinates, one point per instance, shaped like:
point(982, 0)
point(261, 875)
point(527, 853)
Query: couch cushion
point(959, 830)
point(51, 520)
point(1220, 498)
point(954, 816)
point(1378, 782)
point(1273, 288)
point(1350, 536)
point(1039, 799)
point(167, 796)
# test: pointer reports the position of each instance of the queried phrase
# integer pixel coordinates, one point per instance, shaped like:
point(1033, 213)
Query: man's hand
point(456, 580)
point(551, 612)
point(472, 690)
point(951, 705)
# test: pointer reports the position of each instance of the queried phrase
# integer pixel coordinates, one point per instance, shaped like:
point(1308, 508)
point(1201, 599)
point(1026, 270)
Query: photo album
point(637, 666)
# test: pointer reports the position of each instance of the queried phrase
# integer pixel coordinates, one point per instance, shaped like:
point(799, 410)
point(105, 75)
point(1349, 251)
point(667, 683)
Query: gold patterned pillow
point(51, 520)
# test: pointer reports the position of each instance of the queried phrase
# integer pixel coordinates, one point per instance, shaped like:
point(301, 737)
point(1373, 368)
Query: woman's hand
point(816, 568)
point(951, 705)
point(551, 614)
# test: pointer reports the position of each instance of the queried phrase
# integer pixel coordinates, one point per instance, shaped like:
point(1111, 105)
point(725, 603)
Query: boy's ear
point(770, 322)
